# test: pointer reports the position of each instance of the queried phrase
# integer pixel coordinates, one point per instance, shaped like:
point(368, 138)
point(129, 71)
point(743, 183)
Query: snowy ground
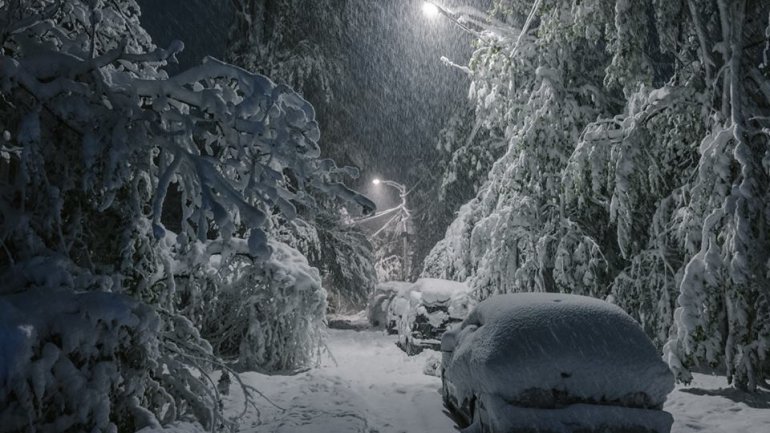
point(372, 387)
point(708, 405)
point(375, 388)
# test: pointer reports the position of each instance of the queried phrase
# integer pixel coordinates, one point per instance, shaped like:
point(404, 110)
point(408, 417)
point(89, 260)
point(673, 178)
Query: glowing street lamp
point(401, 188)
point(430, 9)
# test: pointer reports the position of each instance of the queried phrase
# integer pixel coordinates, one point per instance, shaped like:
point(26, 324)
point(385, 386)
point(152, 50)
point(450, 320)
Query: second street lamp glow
point(429, 9)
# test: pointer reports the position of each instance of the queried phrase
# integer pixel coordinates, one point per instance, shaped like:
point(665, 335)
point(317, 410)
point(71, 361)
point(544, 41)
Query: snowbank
point(549, 350)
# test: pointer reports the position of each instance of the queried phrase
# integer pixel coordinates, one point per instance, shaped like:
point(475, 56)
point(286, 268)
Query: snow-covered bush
point(267, 315)
point(64, 360)
point(338, 249)
point(122, 180)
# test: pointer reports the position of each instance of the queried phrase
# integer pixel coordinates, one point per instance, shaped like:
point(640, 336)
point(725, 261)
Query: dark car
point(545, 362)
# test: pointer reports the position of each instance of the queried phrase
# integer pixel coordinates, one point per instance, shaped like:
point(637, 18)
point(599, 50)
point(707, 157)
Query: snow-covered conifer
point(648, 183)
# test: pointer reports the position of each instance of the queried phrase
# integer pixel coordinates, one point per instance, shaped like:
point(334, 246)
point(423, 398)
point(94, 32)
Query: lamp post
point(404, 216)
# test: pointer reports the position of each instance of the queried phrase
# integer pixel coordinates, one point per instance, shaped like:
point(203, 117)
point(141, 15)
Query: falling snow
point(264, 215)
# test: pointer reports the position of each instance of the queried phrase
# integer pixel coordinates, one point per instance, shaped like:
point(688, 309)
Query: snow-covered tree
point(135, 207)
point(644, 179)
point(465, 151)
point(306, 46)
point(541, 97)
point(303, 45)
point(723, 317)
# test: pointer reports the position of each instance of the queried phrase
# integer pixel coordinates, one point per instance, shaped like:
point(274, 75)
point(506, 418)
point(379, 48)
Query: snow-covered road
point(375, 388)
point(370, 386)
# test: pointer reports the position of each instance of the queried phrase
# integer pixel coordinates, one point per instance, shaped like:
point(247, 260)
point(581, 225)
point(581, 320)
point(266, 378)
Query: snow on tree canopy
point(116, 178)
point(636, 168)
point(515, 345)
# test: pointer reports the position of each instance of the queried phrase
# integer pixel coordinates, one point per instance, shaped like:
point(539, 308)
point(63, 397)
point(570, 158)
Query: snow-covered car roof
point(513, 345)
point(434, 290)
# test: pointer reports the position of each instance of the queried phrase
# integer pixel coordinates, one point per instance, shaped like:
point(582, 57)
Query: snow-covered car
point(421, 312)
point(546, 362)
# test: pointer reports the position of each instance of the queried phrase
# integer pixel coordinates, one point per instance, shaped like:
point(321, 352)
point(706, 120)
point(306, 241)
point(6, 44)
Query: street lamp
point(401, 188)
point(403, 219)
point(467, 18)
point(429, 9)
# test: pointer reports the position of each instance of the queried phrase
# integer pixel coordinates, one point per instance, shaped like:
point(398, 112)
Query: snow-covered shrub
point(67, 358)
point(267, 315)
point(339, 250)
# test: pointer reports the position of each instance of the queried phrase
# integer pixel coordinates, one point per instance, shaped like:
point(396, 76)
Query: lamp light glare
point(429, 9)
point(376, 181)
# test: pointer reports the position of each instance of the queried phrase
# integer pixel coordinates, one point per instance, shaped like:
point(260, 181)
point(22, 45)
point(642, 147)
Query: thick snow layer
point(366, 385)
point(585, 348)
point(707, 405)
point(436, 291)
point(374, 386)
point(500, 416)
point(60, 349)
